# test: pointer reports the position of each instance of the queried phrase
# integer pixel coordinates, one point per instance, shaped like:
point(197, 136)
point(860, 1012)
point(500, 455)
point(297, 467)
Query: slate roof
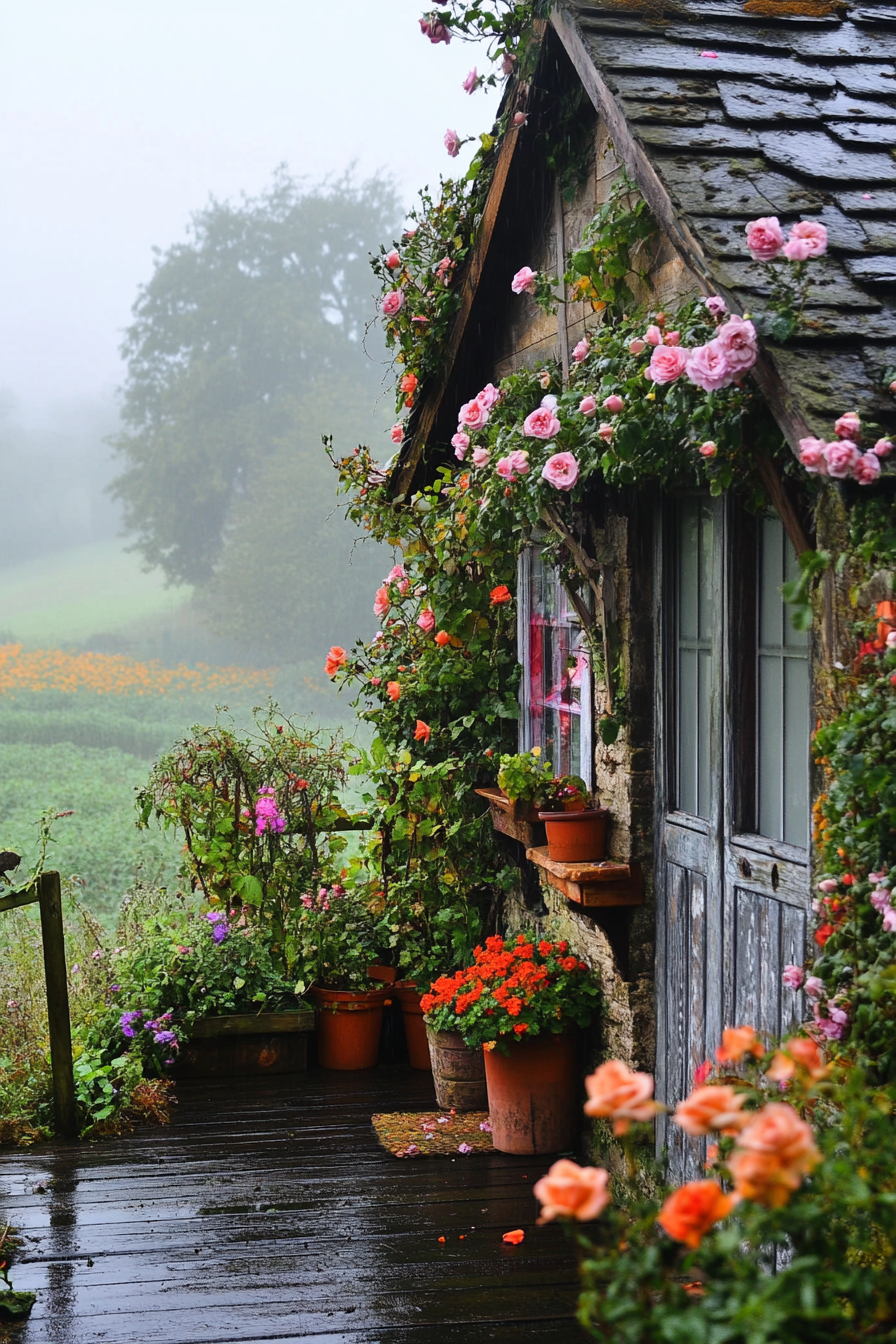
point(794, 116)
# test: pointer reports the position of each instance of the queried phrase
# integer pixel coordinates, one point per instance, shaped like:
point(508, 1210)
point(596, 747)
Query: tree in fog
point(247, 345)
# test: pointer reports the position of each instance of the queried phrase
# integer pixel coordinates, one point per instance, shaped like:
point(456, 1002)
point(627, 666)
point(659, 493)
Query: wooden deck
point(268, 1213)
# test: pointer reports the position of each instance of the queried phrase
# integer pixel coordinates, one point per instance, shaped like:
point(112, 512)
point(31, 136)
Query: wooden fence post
point(56, 974)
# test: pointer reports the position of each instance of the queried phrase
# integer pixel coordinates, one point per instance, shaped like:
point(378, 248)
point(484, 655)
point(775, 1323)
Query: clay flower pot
point(405, 991)
point(576, 837)
point(533, 1094)
point(457, 1071)
point(348, 1026)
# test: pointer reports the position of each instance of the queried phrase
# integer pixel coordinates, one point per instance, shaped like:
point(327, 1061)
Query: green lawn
point(69, 595)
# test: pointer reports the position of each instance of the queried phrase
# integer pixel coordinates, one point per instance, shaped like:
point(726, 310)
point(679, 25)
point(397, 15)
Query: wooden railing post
point(56, 973)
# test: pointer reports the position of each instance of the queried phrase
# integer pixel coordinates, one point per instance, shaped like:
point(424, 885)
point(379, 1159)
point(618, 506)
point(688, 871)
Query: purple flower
point(215, 916)
point(219, 933)
point(267, 815)
point(114, 989)
point(165, 1038)
point(485, 1127)
point(716, 305)
point(128, 1021)
point(464, 1148)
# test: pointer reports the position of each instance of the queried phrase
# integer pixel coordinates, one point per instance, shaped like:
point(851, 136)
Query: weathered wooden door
point(732, 790)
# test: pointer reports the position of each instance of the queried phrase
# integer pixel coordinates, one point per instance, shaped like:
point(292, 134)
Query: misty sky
point(120, 117)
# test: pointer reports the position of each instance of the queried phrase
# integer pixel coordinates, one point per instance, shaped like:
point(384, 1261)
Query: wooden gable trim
point(628, 149)
point(431, 402)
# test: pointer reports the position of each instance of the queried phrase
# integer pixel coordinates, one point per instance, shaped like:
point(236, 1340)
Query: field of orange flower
point(114, 674)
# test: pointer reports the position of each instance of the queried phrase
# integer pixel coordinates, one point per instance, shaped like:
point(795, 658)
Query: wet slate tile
point(746, 100)
point(881, 234)
point(821, 323)
point(880, 79)
point(846, 40)
point(734, 187)
point(725, 237)
point(871, 133)
point(650, 53)
point(679, 113)
point(874, 271)
point(817, 155)
point(875, 201)
point(821, 386)
point(849, 107)
point(715, 135)
point(660, 88)
point(829, 285)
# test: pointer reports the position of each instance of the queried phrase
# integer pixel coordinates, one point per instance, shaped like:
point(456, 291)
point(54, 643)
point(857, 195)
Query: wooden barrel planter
point(407, 994)
point(532, 1094)
point(458, 1072)
point(246, 1045)
point(349, 1023)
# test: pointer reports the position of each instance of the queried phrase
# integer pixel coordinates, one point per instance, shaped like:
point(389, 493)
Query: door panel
point(763, 934)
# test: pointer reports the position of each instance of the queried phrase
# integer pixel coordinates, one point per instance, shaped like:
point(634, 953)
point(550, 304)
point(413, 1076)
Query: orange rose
point(336, 658)
point(393, 690)
point(773, 1154)
point(798, 1053)
point(620, 1095)
point(443, 638)
point(501, 594)
point(422, 731)
point(571, 1191)
point(711, 1108)
point(737, 1042)
point(690, 1212)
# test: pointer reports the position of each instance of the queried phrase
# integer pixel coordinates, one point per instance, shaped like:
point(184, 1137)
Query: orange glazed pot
point(532, 1094)
point(405, 991)
point(348, 1026)
point(576, 837)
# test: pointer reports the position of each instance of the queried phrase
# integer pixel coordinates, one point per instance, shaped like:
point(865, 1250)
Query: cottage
point(695, 729)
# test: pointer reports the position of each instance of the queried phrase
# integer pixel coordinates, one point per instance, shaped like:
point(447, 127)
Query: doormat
point(433, 1133)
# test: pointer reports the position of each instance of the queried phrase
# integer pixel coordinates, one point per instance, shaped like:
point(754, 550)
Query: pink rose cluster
point(765, 239)
point(842, 456)
point(719, 363)
point(881, 898)
point(472, 416)
point(431, 26)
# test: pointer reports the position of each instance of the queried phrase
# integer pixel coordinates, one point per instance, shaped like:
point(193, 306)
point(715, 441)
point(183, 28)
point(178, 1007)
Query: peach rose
point(690, 1212)
point(711, 1108)
point(799, 1052)
point(336, 658)
point(427, 620)
point(393, 690)
point(571, 1191)
point(772, 1155)
point(620, 1095)
point(737, 1042)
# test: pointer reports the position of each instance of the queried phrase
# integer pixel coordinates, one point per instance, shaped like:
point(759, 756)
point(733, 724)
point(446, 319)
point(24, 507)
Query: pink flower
point(393, 302)
point(444, 269)
point(504, 469)
point(471, 81)
point(541, 424)
point(765, 238)
point(812, 456)
point(519, 462)
point(464, 1148)
point(519, 118)
point(381, 601)
point(667, 363)
point(738, 340)
point(460, 443)
point(828, 885)
point(710, 55)
point(880, 898)
point(849, 426)
point(605, 432)
point(613, 403)
point(571, 1191)
point(580, 351)
point(451, 140)
point(797, 249)
point(588, 407)
point(637, 346)
point(891, 640)
point(890, 920)
point(561, 471)
point(716, 305)
point(793, 976)
point(427, 620)
point(393, 260)
point(867, 469)
point(395, 573)
point(708, 366)
point(489, 396)
point(472, 415)
point(672, 338)
point(480, 457)
point(653, 336)
point(433, 28)
point(841, 457)
point(508, 63)
point(708, 449)
point(550, 401)
point(524, 281)
point(814, 987)
point(396, 433)
point(883, 448)
point(812, 233)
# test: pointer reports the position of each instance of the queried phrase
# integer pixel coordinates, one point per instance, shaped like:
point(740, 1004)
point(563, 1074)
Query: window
point(695, 617)
point(555, 695)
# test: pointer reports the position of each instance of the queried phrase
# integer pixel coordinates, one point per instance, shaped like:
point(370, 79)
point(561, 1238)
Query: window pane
point(771, 726)
point(796, 751)
point(557, 664)
point(694, 658)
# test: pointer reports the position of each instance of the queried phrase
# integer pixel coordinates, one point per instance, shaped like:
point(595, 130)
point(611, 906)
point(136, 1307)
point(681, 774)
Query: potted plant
point(523, 1003)
point(525, 780)
point(576, 832)
point(458, 1070)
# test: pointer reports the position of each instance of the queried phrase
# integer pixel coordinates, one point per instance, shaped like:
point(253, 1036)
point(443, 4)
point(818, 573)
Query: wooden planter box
point(518, 820)
point(605, 883)
point(247, 1044)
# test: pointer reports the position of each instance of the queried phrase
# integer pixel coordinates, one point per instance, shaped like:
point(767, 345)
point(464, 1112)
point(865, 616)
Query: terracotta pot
point(386, 975)
point(405, 991)
point(533, 1094)
point(457, 1071)
point(576, 837)
point(348, 1026)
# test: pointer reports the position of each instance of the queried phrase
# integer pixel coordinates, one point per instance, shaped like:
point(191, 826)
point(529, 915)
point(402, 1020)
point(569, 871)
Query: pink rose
point(883, 448)
point(605, 432)
point(653, 336)
point(519, 118)
point(867, 469)
point(580, 351)
point(395, 573)
point(541, 424)
point(396, 433)
point(738, 340)
point(381, 602)
point(716, 305)
point(489, 396)
point(460, 442)
point(890, 920)
point(505, 469)
point(672, 337)
point(471, 81)
point(813, 234)
point(451, 141)
point(813, 457)
point(427, 620)
point(507, 63)
point(480, 457)
point(588, 406)
point(797, 249)
point(613, 403)
point(524, 281)
point(828, 884)
point(393, 302)
point(561, 471)
point(637, 346)
point(849, 426)
point(814, 987)
point(472, 415)
point(434, 29)
point(519, 461)
point(793, 977)
point(841, 456)
point(891, 640)
point(708, 367)
point(667, 363)
point(765, 238)
point(393, 260)
point(880, 897)
point(708, 449)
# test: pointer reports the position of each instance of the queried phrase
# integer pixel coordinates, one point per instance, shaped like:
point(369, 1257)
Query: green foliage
point(525, 776)
point(335, 938)
point(799, 591)
point(601, 268)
